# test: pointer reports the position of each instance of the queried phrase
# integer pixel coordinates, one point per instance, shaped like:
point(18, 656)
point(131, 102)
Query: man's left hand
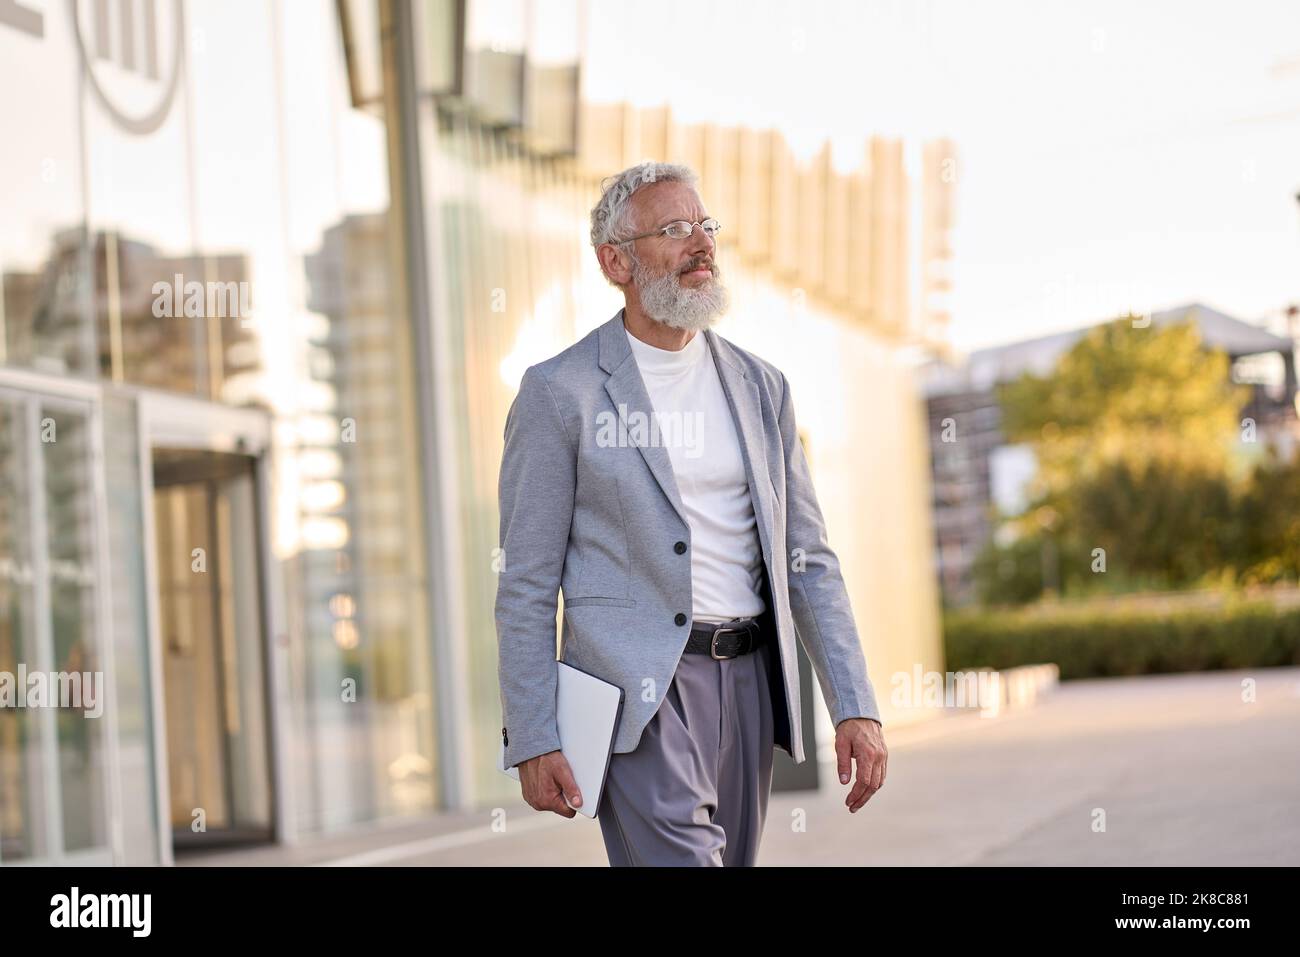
point(861, 740)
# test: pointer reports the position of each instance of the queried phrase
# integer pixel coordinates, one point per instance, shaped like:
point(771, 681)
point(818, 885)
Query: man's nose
point(701, 243)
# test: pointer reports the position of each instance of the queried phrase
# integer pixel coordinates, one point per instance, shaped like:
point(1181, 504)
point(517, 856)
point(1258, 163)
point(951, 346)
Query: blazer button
point(679, 547)
point(680, 619)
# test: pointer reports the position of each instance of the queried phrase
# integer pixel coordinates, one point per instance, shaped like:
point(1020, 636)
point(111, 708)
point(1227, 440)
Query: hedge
point(1098, 643)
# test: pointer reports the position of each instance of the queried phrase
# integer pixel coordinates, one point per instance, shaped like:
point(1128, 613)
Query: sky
point(1111, 156)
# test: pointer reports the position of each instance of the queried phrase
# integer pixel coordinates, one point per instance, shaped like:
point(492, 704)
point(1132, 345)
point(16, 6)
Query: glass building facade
point(216, 463)
point(269, 276)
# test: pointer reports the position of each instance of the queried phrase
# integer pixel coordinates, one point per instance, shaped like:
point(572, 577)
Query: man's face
point(675, 280)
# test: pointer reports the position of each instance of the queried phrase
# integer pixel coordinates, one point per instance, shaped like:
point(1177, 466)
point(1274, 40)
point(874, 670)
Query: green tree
point(1133, 432)
point(1269, 524)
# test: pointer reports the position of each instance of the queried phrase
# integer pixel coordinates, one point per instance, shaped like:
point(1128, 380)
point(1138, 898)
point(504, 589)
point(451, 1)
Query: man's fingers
point(855, 798)
point(558, 804)
point(569, 787)
point(869, 778)
point(843, 758)
point(561, 785)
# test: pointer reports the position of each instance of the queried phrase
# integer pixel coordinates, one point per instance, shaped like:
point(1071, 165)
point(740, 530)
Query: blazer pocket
point(616, 602)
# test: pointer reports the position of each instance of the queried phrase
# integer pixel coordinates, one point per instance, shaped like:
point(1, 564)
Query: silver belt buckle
point(713, 642)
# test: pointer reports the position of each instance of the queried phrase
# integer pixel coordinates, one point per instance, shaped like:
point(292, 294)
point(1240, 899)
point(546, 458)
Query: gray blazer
point(603, 522)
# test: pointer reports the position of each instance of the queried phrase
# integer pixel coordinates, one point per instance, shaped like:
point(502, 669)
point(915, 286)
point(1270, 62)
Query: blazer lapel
point(746, 411)
point(628, 391)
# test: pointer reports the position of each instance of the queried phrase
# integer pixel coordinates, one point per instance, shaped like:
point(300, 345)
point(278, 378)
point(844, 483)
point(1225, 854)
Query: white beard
point(665, 299)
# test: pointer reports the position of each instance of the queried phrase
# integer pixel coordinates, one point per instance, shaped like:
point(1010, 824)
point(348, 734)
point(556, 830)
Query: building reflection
point(46, 321)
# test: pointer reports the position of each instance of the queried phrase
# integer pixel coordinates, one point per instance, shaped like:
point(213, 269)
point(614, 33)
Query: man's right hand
point(546, 781)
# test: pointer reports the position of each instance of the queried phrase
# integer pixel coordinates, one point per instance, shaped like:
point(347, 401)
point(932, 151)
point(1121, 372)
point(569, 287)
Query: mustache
point(699, 264)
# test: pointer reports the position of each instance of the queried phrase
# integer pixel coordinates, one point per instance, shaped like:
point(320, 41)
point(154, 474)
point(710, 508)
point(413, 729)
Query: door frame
point(32, 390)
point(170, 420)
point(179, 421)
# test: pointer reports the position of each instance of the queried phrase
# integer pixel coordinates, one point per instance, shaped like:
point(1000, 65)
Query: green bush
point(1096, 643)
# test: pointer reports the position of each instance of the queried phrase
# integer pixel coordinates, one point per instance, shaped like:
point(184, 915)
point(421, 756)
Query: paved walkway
point(1182, 770)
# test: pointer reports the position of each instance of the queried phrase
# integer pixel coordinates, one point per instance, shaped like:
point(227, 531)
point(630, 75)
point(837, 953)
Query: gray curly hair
point(610, 217)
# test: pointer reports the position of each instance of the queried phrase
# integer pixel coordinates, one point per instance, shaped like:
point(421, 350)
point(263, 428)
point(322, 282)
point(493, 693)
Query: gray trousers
point(694, 791)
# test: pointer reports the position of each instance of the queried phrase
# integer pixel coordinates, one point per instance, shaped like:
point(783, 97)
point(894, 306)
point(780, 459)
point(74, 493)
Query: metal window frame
point(32, 391)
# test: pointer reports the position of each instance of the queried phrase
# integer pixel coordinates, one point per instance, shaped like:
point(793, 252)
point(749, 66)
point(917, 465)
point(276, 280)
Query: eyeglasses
point(678, 230)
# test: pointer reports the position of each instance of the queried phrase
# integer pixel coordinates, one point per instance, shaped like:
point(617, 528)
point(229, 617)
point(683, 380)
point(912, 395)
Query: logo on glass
point(132, 51)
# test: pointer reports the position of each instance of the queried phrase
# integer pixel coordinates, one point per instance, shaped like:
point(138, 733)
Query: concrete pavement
point(1162, 770)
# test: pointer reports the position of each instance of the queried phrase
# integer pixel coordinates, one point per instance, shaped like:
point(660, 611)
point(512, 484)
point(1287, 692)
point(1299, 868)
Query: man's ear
point(616, 265)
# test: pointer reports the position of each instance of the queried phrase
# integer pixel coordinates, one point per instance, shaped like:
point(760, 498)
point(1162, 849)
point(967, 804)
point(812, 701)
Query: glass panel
point(190, 678)
point(21, 810)
point(138, 132)
point(70, 534)
point(552, 77)
point(239, 611)
point(354, 473)
point(495, 39)
point(438, 51)
point(44, 266)
point(210, 610)
point(128, 599)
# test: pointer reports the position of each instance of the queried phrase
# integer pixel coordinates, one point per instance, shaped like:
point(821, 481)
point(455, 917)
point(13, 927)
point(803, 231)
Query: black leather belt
point(725, 639)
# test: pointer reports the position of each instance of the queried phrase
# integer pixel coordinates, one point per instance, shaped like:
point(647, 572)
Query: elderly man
point(673, 554)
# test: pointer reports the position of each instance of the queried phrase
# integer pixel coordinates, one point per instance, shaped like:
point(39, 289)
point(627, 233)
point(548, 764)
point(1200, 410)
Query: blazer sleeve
point(819, 600)
point(536, 492)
